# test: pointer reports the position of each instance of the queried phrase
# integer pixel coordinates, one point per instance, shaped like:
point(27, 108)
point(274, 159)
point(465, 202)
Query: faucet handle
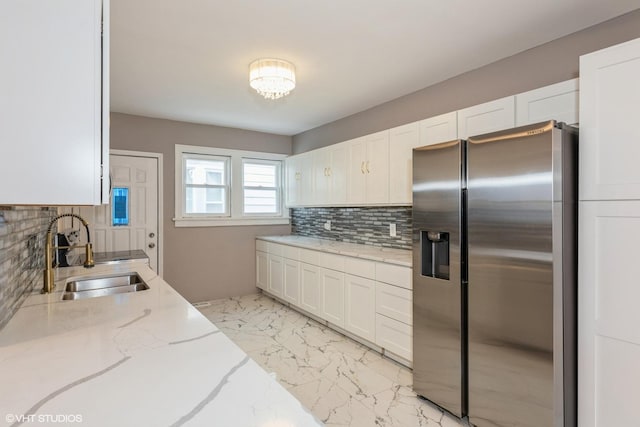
point(89, 262)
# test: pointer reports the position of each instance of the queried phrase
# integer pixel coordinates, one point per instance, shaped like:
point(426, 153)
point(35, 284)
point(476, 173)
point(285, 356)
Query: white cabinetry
point(360, 306)
point(330, 175)
point(555, 102)
point(609, 128)
point(488, 117)
point(369, 169)
point(609, 231)
point(609, 337)
point(54, 102)
point(262, 270)
point(291, 291)
point(368, 299)
point(394, 330)
point(332, 291)
point(402, 141)
point(276, 274)
point(310, 288)
point(299, 172)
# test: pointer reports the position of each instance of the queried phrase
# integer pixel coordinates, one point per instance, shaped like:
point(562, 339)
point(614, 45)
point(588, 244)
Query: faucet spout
point(89, 262)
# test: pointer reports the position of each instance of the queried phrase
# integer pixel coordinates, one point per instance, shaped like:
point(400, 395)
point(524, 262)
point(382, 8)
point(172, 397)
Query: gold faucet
point(49, 247)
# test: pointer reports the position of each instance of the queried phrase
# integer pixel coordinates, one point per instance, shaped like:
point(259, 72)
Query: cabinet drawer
point(394, 302)
point(394, 336)
point(291, 252)
point(331, 261)
point(309, 256)
point(262, 246)
point(360, 267)
point(394, 275)
point(276, 249)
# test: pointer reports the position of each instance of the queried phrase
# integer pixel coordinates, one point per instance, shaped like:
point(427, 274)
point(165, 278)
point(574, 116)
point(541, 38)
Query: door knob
point(152, 235)
point(152, 245)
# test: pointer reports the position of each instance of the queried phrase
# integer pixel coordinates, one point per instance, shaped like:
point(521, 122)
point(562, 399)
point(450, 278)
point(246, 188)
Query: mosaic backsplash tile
point(22, 234)
point(369, 226)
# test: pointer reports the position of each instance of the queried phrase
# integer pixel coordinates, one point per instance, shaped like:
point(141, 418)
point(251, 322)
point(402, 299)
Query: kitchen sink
point(103, 286)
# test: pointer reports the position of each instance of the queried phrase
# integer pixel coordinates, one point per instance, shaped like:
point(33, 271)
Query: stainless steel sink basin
point(102, 286)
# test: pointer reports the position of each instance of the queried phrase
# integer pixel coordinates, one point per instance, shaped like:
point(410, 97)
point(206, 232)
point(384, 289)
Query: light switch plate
point(392, 230)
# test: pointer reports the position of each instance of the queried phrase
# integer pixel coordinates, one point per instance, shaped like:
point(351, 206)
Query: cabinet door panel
point(51, 102)
point(555, 102)
point(608, 336)
point(377, 168)
point(609, 131)
point(321, 181)
point(438, 129)
point(292, 281)
point(262, 270)
point(293, 177)
point(402, 141)
point(338, 173)
point(332, 287)
point(357, 171)
point(488, 117)
point(276, 275)
point(360, 305)
point(397, 337)
point(310, 288)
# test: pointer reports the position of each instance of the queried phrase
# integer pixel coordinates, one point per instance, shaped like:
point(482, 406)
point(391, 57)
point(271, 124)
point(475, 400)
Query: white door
point(377, 168)
point(262, 270)
point(291, 281)
point(310, 288)
point(488, 117)
point(332, 291)
point(130, 220)
point(276, 274)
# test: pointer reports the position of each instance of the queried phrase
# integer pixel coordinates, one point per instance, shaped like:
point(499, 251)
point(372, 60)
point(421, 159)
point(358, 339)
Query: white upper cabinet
point(54, 102)
point(368, 177)
point(402, 141)
point(488, 117)
point(609, 128)
point(330, 175)
point(437, 129)
point(555, 102)
point(299, 173)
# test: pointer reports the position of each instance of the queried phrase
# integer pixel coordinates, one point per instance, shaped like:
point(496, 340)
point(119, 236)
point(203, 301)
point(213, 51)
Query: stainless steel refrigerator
point(494, 276)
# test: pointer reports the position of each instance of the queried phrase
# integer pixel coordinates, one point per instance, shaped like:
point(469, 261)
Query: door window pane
point(120, 206)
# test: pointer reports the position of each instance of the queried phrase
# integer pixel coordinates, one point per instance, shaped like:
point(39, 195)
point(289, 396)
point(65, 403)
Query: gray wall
point(544, 65)
point(201, 263)
point(22, 234)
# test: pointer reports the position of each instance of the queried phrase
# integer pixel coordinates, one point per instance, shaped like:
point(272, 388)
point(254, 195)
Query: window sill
point(228, 222)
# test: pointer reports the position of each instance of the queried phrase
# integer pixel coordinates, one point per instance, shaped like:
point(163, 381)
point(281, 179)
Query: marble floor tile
point(342, 382)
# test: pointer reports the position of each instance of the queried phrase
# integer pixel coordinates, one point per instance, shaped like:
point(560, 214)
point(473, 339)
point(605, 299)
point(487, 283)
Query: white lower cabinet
point(310, 288)
point(394, 302)
point(394, 336)
point(368, 299)
point(332, 291)
point(608, 316)
point(291, 281)
point(276, 274)
point(360, 306)
point(262, 270)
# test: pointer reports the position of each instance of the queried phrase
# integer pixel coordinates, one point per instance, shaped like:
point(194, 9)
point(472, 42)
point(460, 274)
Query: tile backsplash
point(369, 226)
point(22, 234)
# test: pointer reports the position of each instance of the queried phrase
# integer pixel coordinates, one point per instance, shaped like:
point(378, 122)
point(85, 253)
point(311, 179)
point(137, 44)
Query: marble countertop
point(375, 253)
point(144, 358)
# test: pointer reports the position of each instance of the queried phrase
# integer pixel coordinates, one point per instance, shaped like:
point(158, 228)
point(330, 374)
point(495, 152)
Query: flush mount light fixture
point(272, 78)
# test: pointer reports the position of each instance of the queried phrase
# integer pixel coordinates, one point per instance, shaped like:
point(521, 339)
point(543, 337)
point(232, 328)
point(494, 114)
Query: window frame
point(236, 188)
point(226, 185)
point(279, 164)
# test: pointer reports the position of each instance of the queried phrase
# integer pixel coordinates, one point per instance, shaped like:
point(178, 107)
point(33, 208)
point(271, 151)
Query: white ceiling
point(188, 60)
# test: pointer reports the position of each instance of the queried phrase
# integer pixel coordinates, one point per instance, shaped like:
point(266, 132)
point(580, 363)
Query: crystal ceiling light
point(272, 78)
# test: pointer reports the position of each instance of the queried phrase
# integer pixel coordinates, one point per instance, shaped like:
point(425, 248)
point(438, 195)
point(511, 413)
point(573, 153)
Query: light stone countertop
point(376, 253)
point(137, 359)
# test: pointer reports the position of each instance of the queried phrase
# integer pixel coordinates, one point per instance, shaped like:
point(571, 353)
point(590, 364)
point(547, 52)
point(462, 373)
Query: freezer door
point(437, 293)
point(512, 178)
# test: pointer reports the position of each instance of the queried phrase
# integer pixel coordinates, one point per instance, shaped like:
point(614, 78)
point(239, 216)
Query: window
point(228, 187)
point(260, 180)
point(206, 185)
point(120, 206)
